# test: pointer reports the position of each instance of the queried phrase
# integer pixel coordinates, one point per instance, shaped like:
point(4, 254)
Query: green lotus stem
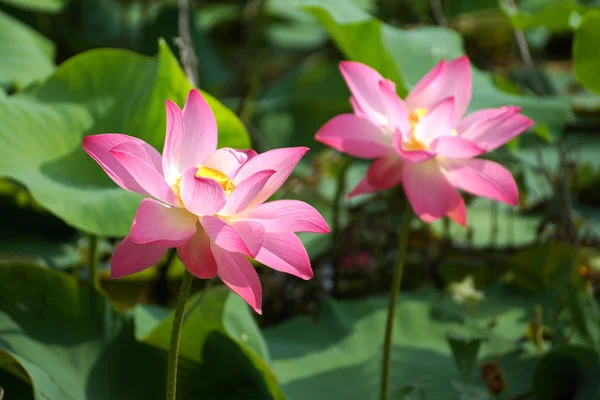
point(93, 261)
point(184, 293)
point(403, 231)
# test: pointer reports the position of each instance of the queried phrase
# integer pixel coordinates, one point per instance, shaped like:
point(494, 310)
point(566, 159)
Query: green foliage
point(49, 6)
point(557, 16)
point(96, 92)
point(491, 224)
point(218, 310)
point(585, 57)
point(337, 354)
point(544, 267)
point(70, 344)
point(532, 315)
point(465, 354)
point(404, 56)
point(26, 55)
point(568, 372)
point(214, 74)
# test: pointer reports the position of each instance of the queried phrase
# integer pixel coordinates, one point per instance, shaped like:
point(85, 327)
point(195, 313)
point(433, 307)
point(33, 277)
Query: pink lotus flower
point(423, 141)
point(208, 203)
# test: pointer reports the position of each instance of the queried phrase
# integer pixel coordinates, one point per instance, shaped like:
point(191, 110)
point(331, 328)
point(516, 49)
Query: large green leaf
point(556, 15)
point(337, 354)
point(96, 92)
point(69, 343)
point(26, 55)
point(50, 6)
point(219, 310)
point(585, 56)
point(404, 56)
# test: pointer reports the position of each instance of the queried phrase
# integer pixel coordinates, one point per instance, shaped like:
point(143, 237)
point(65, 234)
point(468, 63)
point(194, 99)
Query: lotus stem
point(93, 261)
point(403, 232)
point(184, 293)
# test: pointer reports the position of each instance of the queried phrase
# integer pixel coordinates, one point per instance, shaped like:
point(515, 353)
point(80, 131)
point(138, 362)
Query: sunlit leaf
point(26, 55)
point(337, 353)
point(49, 6)
point(557, 16)
point(99, 91)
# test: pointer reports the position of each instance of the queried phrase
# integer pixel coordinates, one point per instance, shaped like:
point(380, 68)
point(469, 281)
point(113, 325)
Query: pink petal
point(130, 258)
point(162, 225)
point(395, 109)
point(173, 141)
point(200, 131)
point(98, 147)
point(239, 275)
point(458, 210)
point(355, 136)
point(385, 172)
point(137, 159)
point(363, 82)
point(249, 153)
point(202, 196)
point(475, 119)
point(415, 156)
point(429, 192)
point(197, 256)
point(246, 192)
point(439, 121)
point(426, 92)
point(412, 156)
point(458, 85)
point(362, 187)
point(491, 128)
point(286, 216)
point(225, 236)
point(356, 108)
point(226, 160)
point(282, 161)
point(252, 233)
point(409, 155)
point(455, 147)
point(284, 252)
point(482, 178)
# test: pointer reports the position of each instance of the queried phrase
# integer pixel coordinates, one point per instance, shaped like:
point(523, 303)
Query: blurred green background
point(504, 309)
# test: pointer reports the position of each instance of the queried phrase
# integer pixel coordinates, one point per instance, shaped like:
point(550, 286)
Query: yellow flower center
point(176, 188)
point(223, 180)
point(206, 172)
point(413, 118)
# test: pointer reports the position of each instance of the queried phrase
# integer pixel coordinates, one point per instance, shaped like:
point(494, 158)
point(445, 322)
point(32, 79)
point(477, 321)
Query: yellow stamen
point(223, 180)
point(176, 188)
point(413, 118)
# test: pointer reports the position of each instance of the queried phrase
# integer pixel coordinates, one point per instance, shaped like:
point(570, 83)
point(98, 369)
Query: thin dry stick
point(438, 13)
point(185, 43)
